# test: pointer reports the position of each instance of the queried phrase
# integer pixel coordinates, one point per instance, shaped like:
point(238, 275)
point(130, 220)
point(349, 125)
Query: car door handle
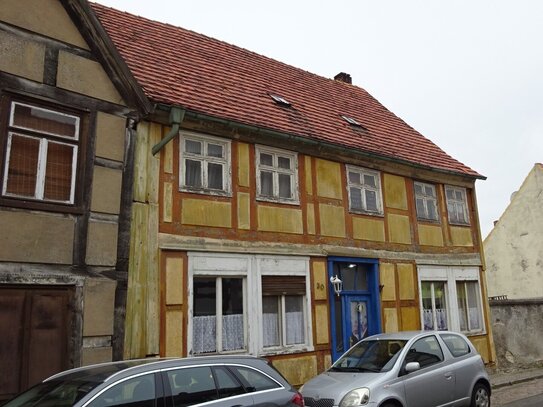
point(448, 375)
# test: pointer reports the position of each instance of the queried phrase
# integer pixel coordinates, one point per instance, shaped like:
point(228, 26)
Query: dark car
point(215, 381)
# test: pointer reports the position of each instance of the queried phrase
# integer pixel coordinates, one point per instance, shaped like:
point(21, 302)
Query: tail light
point(298, 400)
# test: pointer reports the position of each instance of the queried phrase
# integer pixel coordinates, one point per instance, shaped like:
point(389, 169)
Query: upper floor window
point(426, 201)
point(364, 188)
point(205, 164)
point(457, 205)
point(277, 175)
point(40, 153)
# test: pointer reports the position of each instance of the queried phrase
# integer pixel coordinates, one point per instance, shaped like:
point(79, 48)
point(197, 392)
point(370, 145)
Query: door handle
point(448, 375)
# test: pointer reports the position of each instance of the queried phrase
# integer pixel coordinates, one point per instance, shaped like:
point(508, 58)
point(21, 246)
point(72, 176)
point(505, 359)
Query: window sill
point(361, 212)
point(40, 206)
point(284, 350)
point(278, 201)
point(226, 194)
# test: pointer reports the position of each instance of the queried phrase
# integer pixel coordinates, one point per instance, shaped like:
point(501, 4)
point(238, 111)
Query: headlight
point(356, 397)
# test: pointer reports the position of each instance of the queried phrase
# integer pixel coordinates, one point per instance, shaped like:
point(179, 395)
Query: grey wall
point(517, 326)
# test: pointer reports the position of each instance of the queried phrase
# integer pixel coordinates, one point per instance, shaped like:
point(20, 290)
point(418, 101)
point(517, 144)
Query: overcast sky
point(467, 74)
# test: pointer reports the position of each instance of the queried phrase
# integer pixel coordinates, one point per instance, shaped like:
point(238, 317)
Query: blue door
point(355, 310)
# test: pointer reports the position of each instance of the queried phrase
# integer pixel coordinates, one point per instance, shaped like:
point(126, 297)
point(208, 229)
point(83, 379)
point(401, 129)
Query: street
point(526, 394)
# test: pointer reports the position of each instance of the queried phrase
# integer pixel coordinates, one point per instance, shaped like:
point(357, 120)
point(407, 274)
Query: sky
point(467, 74)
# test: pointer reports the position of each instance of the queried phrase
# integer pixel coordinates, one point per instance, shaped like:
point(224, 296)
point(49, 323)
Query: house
point(514, 261)
point(66, 104)
point(514, 248)
point(283, 214)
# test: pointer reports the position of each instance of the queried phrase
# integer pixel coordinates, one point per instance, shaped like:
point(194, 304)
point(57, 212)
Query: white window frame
point(458, 204)
point(451, 275)
point(425, 199)
point(204, 160)
point(44, 138)
point(362, 187)
point(275, 170)
point(251, 268)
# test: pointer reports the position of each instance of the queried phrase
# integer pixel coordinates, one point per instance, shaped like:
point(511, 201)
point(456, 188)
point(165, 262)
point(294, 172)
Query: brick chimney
point(343, 77)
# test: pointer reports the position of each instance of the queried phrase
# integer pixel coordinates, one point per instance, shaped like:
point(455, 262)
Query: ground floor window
point(451, 298)
point(248, 303)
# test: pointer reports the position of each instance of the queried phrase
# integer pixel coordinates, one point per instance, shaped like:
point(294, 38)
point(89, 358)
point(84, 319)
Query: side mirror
point(412, 367)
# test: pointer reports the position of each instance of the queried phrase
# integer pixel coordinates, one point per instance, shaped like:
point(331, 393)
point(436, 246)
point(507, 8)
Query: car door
point(214, 385)
point(433, 384)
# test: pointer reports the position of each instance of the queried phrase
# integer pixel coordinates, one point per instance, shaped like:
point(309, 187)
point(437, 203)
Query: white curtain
point(204, 334)
point(232, 332)
point(270, 323)
point(295, 327)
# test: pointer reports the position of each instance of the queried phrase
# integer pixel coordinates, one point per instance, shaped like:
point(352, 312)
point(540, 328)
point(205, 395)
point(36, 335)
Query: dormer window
point(280, 100)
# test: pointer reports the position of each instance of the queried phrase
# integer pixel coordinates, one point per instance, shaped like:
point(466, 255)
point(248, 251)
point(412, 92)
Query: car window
point(456, 344)
point(227, 384)
point(254, 380)
point(136, 392)
point(426, 351)
point(377, 355)
point(192, 385)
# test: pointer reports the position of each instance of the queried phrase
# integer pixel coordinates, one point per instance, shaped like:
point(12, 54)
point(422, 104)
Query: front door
point(354, 308)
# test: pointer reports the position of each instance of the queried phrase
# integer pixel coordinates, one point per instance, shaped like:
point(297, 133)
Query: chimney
point(343, 77)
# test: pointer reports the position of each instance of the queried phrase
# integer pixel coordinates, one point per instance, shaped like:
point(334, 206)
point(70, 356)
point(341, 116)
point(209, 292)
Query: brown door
point(34, 327)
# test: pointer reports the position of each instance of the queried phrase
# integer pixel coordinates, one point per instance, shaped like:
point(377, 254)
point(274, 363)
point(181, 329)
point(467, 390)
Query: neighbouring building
point(514, 247)
point(514, 261)
point(65, 190)
point(258, 185)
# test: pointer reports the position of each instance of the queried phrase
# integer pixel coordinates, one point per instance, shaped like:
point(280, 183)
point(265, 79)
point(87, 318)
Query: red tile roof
point(179, 67)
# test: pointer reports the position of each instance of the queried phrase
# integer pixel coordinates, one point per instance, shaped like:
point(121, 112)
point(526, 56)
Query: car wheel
point(480, 396)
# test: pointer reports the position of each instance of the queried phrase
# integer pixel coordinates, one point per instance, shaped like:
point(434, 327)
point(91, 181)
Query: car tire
point(480, 397)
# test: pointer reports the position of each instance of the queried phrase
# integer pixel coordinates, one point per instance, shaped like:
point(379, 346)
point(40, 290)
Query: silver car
point(216, 381)
point(404, 369)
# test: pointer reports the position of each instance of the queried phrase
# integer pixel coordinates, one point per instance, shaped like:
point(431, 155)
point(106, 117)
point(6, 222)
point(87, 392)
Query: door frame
point(371, 295)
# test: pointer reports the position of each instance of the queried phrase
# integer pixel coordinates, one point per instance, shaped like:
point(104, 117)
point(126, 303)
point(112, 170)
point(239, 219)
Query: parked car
point(404, 369)
point(216, 381)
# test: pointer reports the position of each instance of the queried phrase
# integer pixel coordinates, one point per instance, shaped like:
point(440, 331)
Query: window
point(255, 380)
point(277, 175)
point(364, 187)
point(426, 351)
point(457, 205)
point(205, 164)
point(426, 201)
point(193, 385)
point(434, 305)
point(218, 322)
point(456, 345)
point(137, 391)
point(283, 310)
point(227, 291)
point(41, 154)
point(451, 299)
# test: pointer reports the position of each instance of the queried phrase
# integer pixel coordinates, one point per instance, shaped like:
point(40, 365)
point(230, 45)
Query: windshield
point(53, 393)
point(370, 356)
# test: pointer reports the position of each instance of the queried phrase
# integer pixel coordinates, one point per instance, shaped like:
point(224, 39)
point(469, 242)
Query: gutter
point(308, 141)
point(177, 115)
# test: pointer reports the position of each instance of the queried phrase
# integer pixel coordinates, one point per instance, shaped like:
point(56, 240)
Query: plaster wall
point(514, 248)
point(517, 327)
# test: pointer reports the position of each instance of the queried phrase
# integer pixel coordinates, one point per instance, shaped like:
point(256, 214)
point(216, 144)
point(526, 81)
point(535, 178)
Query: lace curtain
point(441, 319)
point(205, 333)
point(295, 327)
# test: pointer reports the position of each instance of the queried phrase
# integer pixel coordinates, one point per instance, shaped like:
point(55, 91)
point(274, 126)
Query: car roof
point(406, 335)
point(105, 371)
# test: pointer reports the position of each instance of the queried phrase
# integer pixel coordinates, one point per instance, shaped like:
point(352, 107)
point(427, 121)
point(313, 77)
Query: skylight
point(351, 121)
point(280, 100)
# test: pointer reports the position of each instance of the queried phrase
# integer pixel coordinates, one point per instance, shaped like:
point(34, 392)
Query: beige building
point(514, 247)
point(64, 177)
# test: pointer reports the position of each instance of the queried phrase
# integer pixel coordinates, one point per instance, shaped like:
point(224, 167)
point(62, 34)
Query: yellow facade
point(206, 213)
point(399, 229)
point(395, 192)
point(461, 236)
point(332, 220)
point(329, 184)
point(430, 235)
point(283, 220)
point(369, 229)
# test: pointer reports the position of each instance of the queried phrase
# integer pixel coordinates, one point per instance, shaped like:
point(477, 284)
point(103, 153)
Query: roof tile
point(180, 67)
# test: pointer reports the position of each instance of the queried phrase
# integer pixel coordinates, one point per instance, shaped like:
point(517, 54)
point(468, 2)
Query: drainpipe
point(176, 117)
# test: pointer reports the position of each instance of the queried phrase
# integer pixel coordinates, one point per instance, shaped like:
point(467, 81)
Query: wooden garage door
point(35, 324)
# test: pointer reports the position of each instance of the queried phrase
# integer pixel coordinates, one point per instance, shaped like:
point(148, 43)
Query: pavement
point(500, 379)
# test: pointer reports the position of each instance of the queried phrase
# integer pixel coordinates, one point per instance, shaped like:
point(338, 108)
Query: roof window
point(351, 121)
point(280, 100)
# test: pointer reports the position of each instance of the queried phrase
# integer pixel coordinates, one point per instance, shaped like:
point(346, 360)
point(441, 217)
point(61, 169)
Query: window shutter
point(280, 285)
